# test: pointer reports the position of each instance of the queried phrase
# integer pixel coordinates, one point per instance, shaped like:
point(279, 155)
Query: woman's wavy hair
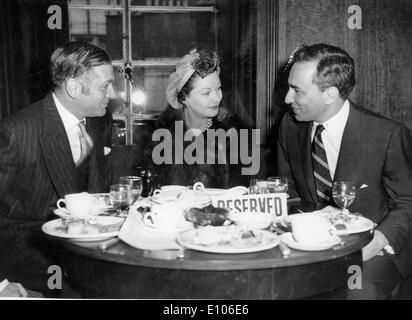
point(205, 65)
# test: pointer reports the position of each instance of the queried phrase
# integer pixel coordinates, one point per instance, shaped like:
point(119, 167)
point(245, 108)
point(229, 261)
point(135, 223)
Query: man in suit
point(327, 138)
point(45, 153)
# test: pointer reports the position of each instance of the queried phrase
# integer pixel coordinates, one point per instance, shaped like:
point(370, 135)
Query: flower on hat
point(177, 80)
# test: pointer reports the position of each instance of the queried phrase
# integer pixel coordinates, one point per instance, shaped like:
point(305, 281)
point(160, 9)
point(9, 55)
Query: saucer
point(288, 239)
point(63, 213)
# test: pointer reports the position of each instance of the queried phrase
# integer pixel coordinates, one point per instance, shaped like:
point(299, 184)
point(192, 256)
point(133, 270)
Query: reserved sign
point(273, 203)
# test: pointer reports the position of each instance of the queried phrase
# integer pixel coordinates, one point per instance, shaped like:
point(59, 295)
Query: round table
point(122, 271)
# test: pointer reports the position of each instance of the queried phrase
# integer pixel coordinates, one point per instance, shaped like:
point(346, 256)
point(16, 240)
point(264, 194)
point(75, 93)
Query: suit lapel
point(306, 156)
point(56, 150)
point(347, 162)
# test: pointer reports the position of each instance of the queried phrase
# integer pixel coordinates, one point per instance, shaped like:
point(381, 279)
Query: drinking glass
point(258, 186)
point(119, 197)
point(135, 184)
point(343, 193)
point(277, 184)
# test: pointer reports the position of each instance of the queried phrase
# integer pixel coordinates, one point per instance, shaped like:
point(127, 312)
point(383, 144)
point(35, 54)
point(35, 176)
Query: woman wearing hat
point(194, 94)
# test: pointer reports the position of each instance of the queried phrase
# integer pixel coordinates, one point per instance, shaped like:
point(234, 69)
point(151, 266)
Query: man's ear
point(331, 94)
point(73, 88)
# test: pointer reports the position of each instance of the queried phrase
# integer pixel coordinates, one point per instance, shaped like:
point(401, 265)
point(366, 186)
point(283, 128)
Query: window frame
point(127, 9)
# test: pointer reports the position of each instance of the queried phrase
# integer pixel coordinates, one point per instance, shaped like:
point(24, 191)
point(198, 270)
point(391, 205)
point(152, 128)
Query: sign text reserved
point(273, 203)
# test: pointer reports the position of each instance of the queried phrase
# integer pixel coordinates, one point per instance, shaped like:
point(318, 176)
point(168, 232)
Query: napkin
point(134, 233)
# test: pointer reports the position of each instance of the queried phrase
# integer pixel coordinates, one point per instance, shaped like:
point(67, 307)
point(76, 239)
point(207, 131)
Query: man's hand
point(12, 290)
point(378, 242)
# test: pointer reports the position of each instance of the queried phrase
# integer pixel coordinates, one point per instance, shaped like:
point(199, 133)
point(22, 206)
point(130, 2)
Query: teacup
point(77, 205)
point(199, 186)
point(168, 193)
point(311, 229)
point(164, 216)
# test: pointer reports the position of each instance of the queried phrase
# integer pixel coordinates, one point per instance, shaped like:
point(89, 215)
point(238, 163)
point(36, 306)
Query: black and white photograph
point(205, 155)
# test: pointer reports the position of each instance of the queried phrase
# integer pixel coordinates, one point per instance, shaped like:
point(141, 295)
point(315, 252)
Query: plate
point(288, 239)
point(52, 228)
point(262, 240)
point(355, 224)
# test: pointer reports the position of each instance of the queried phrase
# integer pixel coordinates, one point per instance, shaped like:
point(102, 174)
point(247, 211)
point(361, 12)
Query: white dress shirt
point(332, 135)
point(71, 125)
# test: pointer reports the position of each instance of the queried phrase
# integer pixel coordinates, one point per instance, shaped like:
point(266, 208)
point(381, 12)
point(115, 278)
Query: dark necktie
point(86, 144)
point(320, 165)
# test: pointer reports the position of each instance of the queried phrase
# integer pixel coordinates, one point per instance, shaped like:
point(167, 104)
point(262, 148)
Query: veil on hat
point(178, 79)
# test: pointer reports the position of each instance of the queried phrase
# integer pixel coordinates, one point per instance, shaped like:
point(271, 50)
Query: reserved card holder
point(273, 203)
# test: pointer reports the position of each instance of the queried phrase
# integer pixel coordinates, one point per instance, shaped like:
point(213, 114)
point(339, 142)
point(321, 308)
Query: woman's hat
point(178, 79)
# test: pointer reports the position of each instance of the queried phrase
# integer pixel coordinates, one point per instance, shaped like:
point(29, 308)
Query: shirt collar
point(69, 120)
point(338, 121)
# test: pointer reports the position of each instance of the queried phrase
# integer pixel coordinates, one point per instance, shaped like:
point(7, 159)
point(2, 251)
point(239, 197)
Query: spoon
point(181, 253)
point(284, 249)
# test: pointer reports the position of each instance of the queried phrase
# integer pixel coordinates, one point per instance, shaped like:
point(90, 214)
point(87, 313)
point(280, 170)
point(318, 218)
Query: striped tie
point(86, 144)
point(321, 171)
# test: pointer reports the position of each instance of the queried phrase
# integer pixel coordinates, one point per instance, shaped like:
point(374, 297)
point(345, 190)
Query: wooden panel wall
point(381, 49)
point(26, 44)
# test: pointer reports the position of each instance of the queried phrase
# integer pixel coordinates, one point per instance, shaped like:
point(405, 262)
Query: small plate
point(358, 224)
point(288, 239)
point(54, 228)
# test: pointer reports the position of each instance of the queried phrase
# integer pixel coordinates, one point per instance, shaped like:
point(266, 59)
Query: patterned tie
point(321, 171)
point(86, 143)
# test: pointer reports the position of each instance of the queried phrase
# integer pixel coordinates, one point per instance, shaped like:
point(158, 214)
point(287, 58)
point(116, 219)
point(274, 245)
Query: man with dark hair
point(327, 138)
point(54, 147)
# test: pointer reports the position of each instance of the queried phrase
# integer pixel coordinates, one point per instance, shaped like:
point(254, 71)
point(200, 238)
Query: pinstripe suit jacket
point(375, 151)
point(36, 169)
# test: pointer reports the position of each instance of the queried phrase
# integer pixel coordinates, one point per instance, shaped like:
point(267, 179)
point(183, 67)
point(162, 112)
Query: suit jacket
point(375, 151)
point(36, 169)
